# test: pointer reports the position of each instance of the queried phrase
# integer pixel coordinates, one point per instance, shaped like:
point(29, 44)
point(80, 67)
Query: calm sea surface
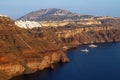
point(101, 63)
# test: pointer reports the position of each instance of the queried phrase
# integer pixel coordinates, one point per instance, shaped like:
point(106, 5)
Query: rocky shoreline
point(47, 62)
point(24, 51)
point(22, 67)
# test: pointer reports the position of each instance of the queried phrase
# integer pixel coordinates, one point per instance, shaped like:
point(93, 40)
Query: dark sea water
point(101, 63)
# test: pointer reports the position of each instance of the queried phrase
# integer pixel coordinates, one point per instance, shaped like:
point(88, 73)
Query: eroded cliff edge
point(21, 52)
point(72, 35)
point(25, 51)
point(88, 34)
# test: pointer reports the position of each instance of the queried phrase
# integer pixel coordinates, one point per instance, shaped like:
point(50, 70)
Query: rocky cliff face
point(25, 51)
point(75, 34)
point(89, 34)
point(22, 52)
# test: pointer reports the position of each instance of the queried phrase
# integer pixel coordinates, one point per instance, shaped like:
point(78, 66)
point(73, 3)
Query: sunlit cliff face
point(22, 52)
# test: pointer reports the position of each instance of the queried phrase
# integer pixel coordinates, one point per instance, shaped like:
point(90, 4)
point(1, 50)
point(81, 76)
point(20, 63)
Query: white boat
point(92, 45)
point(84, 50)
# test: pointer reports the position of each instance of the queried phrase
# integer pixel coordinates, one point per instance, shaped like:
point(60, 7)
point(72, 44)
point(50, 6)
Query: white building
point(27, 24)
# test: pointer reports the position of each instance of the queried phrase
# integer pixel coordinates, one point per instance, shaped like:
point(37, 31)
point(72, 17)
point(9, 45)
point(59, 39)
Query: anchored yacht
point(84, 50)
point(92, 45)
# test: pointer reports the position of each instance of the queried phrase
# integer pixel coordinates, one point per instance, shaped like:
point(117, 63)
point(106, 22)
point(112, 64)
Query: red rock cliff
point(21, 52)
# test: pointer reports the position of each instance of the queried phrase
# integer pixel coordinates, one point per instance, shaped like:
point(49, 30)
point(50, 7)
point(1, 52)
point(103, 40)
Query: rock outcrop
point(89, 34)
point(22, 52)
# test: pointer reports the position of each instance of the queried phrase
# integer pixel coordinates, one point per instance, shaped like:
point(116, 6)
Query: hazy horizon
point(15, 9)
